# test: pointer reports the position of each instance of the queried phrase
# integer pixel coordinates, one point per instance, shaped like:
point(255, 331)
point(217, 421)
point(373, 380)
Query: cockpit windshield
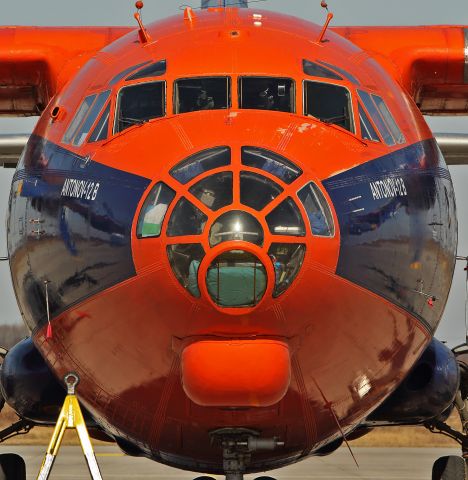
point(207, 93)
point(140, 103)
point(329, 103)
point(266, 93)
point(84, 118)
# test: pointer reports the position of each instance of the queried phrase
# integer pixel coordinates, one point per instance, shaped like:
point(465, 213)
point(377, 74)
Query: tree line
point(11, 334)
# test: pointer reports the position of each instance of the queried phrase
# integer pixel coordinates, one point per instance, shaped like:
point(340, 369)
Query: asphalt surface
point(374, 463)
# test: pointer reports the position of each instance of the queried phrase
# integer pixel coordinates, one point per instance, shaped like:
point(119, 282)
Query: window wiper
point(338, 118)
point(132, 121)
point(330, 123)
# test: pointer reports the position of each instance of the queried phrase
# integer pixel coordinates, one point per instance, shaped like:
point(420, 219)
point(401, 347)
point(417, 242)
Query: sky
point(347, 12)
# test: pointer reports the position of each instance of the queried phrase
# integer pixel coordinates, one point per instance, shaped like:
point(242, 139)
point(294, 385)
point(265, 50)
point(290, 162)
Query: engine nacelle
point(28, 385)
point(427, 392)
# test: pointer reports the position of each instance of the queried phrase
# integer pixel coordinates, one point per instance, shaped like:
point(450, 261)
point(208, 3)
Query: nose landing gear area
point(236, 446)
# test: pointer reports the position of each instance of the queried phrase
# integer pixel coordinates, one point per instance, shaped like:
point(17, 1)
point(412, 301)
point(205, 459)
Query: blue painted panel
point(398, 228)
point(70, 223)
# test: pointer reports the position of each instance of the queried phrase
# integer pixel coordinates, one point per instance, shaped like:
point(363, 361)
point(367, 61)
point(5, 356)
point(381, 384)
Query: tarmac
point(374, 464)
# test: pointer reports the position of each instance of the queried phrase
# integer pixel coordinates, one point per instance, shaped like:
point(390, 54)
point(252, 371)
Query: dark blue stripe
point(402, 244)
point(82, 246)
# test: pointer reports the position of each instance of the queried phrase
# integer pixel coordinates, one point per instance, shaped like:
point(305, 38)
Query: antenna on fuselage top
point(142, 33)
point(324, 5)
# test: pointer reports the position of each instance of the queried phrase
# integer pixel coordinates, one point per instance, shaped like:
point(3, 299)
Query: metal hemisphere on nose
point(236, 225)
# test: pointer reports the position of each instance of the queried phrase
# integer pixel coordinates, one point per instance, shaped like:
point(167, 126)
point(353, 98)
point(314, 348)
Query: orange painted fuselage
point(160, 368)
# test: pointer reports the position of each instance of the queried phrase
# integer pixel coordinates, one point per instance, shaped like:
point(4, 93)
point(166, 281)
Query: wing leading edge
point(430, 62)
point(35, 62)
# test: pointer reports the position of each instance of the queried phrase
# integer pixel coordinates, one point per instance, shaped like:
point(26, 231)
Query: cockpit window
point(154, 210)
point(318, 211)
point(206, 93)
point(286, 219)
point(125, 72)
point(154, 70)
point(214, 191)
point(389, 120)
point(137, 104)
point(88, 122)
point(201, 162)
point(329, 103)
point(101, 129)
point(315, 70)
point(270, 162)
point(186, 219)
point(257, 191)
point(367, 129)
point(185, 261)
point(343, 72)
point(376, 117)
point(80, 115)
point(287, 259)
point(267, 93)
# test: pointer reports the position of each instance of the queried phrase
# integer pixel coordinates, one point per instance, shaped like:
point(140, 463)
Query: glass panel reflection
point(270, 162)
point(287, 259)
point(214, 191)
point(185, 261)
point(154, 210)
point(140, 103)
point(236, 225)
point(201, 162)
point(205, 93)
point(318, 211)
point(286, 219)
point(257, 191)
point(236, 279)
point(186, 219)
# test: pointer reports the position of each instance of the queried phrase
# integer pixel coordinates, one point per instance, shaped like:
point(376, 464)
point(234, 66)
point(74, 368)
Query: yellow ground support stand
point(70, 417)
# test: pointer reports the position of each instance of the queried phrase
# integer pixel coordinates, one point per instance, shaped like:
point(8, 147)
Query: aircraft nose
point(234, 224)
point(236, 265)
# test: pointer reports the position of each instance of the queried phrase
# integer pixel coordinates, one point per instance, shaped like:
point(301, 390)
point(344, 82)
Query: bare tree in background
point(11, 334)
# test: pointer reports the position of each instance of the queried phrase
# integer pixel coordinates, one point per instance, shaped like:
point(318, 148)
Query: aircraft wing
point(35, 62)
point(431, 62)
point(453, 145)
point(11, 147)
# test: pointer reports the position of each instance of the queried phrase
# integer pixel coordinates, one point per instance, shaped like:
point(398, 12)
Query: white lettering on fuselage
point(82, 189)
point(388, 188)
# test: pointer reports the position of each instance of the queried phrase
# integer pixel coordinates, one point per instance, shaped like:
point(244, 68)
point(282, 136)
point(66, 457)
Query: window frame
point(80, 123)
point(380, 140)
point(371, 95)
point(166, 216)
point(109, 123)
point(285, 162)
point(392, 117)
point(306, 215)
point(351, 102)
point(96, 119)
point(293, 99)
point(117, 104)
point(229, 79)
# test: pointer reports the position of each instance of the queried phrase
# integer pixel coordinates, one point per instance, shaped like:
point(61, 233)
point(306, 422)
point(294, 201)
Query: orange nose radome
point(236, 373)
